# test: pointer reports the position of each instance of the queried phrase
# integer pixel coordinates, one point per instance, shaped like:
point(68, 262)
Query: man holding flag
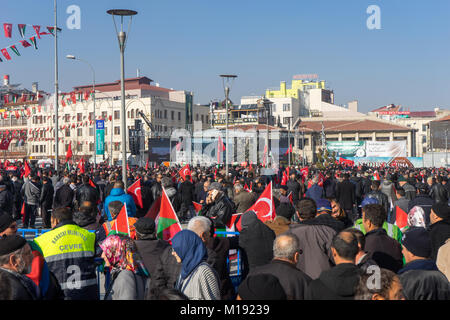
point(218, 207)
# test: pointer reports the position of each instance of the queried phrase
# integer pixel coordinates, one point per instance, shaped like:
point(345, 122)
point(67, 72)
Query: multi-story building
point(18, 106)
point(166, 109)
point(419, 120)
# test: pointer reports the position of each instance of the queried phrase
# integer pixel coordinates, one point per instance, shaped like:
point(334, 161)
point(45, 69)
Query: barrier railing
point(234, 279)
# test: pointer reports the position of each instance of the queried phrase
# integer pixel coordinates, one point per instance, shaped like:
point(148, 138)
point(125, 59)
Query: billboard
point(100, 136)
point(368, 148)
point(347, 148)
point(409, 162)
point(438, 131)
point(159, 149)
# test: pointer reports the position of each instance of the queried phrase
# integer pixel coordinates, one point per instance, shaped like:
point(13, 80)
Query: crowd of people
point(341, 233)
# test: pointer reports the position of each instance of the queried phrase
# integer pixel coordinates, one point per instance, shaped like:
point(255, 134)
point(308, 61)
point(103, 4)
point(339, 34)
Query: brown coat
point(279, 225)
point(443, 259)
point(243, 201)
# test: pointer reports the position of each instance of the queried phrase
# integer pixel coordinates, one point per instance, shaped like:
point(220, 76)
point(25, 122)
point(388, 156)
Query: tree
point(325, 159)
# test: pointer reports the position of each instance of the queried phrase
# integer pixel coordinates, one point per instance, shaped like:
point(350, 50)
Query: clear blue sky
point(185, 45)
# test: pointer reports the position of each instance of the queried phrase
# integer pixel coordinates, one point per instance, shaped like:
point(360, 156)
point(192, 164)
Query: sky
point(186, 45)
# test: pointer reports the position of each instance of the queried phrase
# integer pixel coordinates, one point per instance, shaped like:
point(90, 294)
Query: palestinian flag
point(401, 218)
point(25, 43)
point(22, 28)
point(168, 224)
point(14, 49)
point(197, 207)
point(33, 41)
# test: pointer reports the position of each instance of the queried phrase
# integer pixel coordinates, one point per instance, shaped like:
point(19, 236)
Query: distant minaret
point(138, 73)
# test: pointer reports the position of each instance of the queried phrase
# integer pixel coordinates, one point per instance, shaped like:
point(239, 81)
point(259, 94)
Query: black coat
point(382, 199)
point(421, 280)
point(345, 194)
point(294, 281)
point(186, 192)
point(256, 241)
point(63, 197)
point(329, 188)
point(295, 188)
point(439, 193)
point(6, 201)
point(20, 287)
point(439, 233)
point(220, 211)
point(338, 283)
point(384, 250)
point(47, 196)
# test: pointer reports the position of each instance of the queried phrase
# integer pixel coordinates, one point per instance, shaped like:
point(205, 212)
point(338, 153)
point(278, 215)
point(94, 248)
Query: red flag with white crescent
point(264, 207)
point(185, 171)
point(135, 191)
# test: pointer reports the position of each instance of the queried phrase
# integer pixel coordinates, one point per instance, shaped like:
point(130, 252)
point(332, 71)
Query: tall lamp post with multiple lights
point(72, 57)
point(122, 37)
point(227, 80)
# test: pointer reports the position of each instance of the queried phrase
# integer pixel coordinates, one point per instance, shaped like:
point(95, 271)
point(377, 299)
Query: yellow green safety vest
point(69, 252)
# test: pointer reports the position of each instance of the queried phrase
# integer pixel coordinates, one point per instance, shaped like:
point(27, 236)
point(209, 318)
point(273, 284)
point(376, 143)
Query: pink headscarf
point(119, 252)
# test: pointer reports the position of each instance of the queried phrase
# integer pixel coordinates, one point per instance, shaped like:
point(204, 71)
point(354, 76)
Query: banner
point(386, 148)
point(409, 162)
point(347, 148)
point(368, 148)
point(100, 137)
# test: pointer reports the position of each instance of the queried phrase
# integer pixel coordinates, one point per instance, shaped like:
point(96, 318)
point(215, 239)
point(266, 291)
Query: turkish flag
point(135, 191)
point(321, 180)
point(4, 145)
point(69, 152)
point(146, 165)
point(289, 150)
point(27, 169)
point(81, 166)
point(264, 207)
point(8, 29)
point(284, 179)
point(37, 29)
point(185, 171)
point(6, 54)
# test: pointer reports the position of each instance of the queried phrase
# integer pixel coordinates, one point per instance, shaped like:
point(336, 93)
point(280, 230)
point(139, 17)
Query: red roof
point(422, 114)
point(142, 83)
point(351, 126)
point(447, 118)
point(390, 107)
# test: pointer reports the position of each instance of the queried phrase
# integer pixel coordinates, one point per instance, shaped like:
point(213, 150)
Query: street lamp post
point(227, 80)
point(56, 89)
point(122, 37)
point(93, 90)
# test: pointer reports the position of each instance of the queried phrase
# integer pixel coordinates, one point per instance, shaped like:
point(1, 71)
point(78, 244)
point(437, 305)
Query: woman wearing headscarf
point(416, 218)
point(256, 241)
point(128, 275)
point(197, 280)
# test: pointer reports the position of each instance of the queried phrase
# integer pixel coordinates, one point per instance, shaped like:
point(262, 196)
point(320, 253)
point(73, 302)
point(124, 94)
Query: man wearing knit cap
point(420, 277)
point(15, 263)
point(7, 225)
point(261, 287)
point(440, 227)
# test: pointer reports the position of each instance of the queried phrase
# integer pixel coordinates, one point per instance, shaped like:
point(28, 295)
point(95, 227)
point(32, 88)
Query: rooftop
point(360, 125)
point(142, 83)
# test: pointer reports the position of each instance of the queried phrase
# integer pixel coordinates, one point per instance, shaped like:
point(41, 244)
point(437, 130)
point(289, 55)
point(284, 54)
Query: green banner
point(347, 148)
point(100, 137)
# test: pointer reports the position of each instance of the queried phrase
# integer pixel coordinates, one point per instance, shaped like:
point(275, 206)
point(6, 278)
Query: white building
point(166, 109)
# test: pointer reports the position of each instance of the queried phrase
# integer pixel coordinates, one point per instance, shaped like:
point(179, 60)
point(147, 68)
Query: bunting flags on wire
point(32, 41)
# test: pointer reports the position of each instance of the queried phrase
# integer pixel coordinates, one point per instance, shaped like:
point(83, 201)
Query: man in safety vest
point(69, 252)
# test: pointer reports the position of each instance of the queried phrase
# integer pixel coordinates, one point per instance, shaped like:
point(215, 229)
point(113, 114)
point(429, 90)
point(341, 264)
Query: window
point(424, 139)
point(79, 132)
point(207, 119)
point(424, 127)
point(117, 146)
point(274, 107)
point(91, 116)
point(79, 147)
point(132, 113)
point(67, 117)
point(79, 117)
point(165, 114)
point(202, 117)
point(286, 107)
point(172, 115)
point(116, 130)
point(41, 148)
point(91, 146)
point(382, 138)
point(106, 131)
point(179, 116)
point(196, 117)
point(104, 115)
point(91, 131)
point(286, 120)
point(116, 115)
point(67, 132)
